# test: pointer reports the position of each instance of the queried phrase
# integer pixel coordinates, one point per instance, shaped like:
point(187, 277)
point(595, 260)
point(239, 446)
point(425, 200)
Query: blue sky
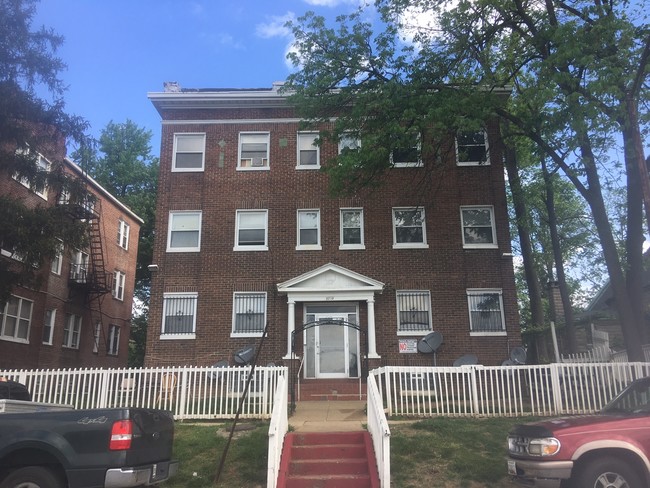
point(117, 51)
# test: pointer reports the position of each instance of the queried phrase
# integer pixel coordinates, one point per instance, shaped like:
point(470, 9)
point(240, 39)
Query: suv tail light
point(121, 435)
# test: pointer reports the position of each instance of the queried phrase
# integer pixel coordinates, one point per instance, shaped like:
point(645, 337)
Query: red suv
point(607, 450)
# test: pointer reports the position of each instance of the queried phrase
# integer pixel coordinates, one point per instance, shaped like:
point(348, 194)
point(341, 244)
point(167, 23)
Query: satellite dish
point(508, 362)
point(430, 342)
point(245, 355)
point(518, 355)
point(466, 360)
point(219, 364)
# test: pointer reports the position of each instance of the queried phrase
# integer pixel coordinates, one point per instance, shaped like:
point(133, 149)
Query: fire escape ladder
point(100, 282)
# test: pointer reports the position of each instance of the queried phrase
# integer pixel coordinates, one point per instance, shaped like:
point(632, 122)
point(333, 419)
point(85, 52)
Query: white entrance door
point(331, 349)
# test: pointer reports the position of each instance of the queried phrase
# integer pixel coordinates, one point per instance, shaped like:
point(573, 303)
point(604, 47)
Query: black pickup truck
point(97, 448)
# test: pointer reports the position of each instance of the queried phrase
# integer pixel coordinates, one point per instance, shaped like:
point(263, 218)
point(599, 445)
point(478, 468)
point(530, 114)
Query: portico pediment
point(330, 277)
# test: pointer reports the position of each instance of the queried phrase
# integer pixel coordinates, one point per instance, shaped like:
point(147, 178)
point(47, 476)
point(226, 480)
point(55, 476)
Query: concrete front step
point(328, 460)
point(331, 389)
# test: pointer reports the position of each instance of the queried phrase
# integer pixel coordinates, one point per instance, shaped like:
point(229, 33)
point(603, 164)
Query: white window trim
point(411, 333)
point(188, 170)
point(410, 245)
point(73, 322)
point(410, 164)
point(191, 335)
point(482, 291)
point(267, 166)
point(58, 260)
point(119, 283)
point(169, 230)
point(123, 234)
point(492, 245)
point(3, 319)
point(234, 314)
point(263, 247)
point(112, 329)
point(316, 146)
point(26, 184)
point(344, 246)
point(474, 163)
point(97, 333)
point(50, 340)
point(308, 247)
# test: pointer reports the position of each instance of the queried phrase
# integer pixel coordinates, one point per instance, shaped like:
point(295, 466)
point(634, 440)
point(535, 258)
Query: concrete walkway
point(329, 416)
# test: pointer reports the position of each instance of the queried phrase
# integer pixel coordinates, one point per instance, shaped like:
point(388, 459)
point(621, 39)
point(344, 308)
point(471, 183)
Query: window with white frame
point(486, 311)
point(349, 142)
point(407, 156)
point(16, 319)
point(249, 313)
point(309, 229)
point(253, 150)
point(72, 331)
point(189, 152)
point(179, 315)
point(184, 231)
point(308, 151)
point(251, 231)
point(97, 334)
point(352, 228)
point(478, 227)
point(413, 312)
point(119, 278)
point(40, 189)
point(409, 229)
point(113, 340)
point(123, 230)
point(48, 326)
point(472, 149)
point(79, 267)
point(57, 260)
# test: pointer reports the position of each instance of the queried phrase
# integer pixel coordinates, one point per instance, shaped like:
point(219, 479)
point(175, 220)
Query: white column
point(372, 345)
point(291, 326)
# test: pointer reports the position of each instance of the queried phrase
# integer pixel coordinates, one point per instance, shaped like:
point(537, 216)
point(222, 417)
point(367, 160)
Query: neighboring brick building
point(246, 233)
point(81, 314)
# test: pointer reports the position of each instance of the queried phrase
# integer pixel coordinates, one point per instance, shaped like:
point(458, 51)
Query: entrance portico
point(327, 284)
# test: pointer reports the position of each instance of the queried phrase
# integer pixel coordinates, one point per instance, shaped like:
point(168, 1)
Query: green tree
point(33, 122)
point(583, 66)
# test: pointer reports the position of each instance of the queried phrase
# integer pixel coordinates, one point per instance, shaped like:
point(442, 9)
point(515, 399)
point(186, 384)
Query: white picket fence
point(541, 390)
point(190, 392)
point(598, 354)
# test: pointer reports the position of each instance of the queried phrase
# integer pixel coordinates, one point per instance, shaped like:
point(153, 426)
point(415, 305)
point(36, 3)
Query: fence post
point(103, 393)
point(557, 388)
point(474, 391)
point(182, 407)
point(389, 399)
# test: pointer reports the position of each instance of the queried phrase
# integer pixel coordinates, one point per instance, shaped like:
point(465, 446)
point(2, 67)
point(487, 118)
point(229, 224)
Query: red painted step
point(328, 460)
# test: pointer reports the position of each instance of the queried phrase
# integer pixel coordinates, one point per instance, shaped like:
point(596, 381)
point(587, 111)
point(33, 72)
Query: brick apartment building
point(81, 314)
point(246, 233)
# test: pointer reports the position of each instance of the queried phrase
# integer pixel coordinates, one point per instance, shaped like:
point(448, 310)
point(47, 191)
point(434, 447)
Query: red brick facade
point(58, 297)
point(444, 268)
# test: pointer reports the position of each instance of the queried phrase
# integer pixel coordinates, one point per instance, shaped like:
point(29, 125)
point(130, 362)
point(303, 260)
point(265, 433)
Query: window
point(189, 151)
point(79, 267)
point(48, 326)
point(249, 314)
point(57, 261)
point(308, 229)
point(349, 142)
point(478, 227)
point(184, 232)
point(97, 333)
point(123, 230)
point(409, 228)
point(41, 190)
point(72, 331)
point(406, 157)
point(118, 285)
point(251, 231)
point(16, 319)
point(113, 340)
point(485, 312)
point(308, 151)
point(472, 148)
point(352, 228)
point(254, 150)
point(413, 312)
point(179, 315)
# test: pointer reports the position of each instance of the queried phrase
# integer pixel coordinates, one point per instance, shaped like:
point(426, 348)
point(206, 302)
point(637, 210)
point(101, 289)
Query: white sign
point(408, 346)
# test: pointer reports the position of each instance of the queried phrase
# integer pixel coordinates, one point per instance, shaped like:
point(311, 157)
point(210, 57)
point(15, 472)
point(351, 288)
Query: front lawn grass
point(440, 452)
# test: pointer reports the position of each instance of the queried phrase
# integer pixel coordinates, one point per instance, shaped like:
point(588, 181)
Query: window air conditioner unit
point(259, 162)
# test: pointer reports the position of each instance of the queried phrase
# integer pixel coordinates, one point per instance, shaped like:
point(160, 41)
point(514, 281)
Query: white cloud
point(414, 21)
point(330, 3)
point(275, 27)
point(196, 9)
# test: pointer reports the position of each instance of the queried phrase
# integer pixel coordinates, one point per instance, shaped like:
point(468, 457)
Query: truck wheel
point(32, 477)
point(608, 473)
